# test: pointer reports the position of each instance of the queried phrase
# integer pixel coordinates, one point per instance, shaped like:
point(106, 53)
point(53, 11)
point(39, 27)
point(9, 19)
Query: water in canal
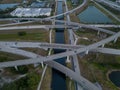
point(93, 15)
point(58, 78)
point(115, 77)
point(5, 6)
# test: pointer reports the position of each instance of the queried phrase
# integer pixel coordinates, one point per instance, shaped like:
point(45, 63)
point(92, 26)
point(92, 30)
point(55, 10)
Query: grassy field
point(69, 82)
point(38, 51)
point(113, 44)
point(113, 29)
point(7, 57)
point(46, 84)
point(29, 82)
point(31, 35)
point(5, 22)
point(95, 67)
point(87, 36)
point(66, 36)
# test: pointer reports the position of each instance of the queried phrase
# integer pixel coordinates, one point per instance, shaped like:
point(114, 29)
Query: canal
point(5, 6)
point(58, 78)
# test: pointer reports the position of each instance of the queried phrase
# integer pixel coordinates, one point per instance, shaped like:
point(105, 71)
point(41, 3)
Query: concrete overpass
point(35, 27)
point(64, 54)
point(56, 46)
point(56, 56)
point(112, 5)
point(82, 81)
point(74, 58)
point(104, 26)
point(110, 13)
point(71, 25)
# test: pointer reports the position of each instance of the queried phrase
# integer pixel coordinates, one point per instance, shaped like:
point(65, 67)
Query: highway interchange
point(12, 47)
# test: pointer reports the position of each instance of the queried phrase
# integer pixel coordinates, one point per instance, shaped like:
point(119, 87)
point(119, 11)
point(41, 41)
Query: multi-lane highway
point(56, 46)
point(71, 25)
point(110, 4)
point(81, 80)
point(68, 53)
point(52, 57)
point(74, 58)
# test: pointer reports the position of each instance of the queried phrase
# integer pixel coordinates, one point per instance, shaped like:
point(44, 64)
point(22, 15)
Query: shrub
point(22, 33)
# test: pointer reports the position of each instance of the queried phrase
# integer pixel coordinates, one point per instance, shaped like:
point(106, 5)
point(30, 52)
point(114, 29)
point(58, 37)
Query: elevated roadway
point(112, 5)
point(74, 59)
point(110, 13)
point(55, 46)
point(105, 26)
point(34, 27)
point(52, 57)
point(82, 81)
point(71, 25)
point(60, 55)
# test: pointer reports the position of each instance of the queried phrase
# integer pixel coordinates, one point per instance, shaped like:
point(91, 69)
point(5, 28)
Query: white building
point(31, 12)
point(118, 1)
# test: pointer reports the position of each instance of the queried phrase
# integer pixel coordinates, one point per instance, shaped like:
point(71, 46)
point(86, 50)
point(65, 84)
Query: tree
point(33, 80)
point(22, 33)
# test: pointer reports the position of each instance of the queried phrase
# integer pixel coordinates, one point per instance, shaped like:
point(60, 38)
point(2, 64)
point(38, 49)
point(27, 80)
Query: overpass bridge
point(72, 25)
point(60, 55)
point(35, 27)
point(81, 80)
point(64, 54)
point(56, 46)
point(112, 5)
point(104, 25)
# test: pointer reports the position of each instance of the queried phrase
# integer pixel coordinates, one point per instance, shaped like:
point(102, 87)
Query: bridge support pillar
point(103, 45)
point(17, 21)
point(41, 21)
point(68, 59)
point(98, 32)
point(53, 22)
point(115, 40)
point(16, 68)
point(87, 52)
point(80, 27)
point(76, 39)
point(42, 64)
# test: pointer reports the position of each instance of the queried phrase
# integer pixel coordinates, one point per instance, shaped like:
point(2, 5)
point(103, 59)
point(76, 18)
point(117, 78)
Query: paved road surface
point(56, 46)
point(82, 81)
point(64, 54)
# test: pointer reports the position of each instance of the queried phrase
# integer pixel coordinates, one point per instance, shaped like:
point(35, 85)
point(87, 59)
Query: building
point(31, 12)
point(118, 1)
